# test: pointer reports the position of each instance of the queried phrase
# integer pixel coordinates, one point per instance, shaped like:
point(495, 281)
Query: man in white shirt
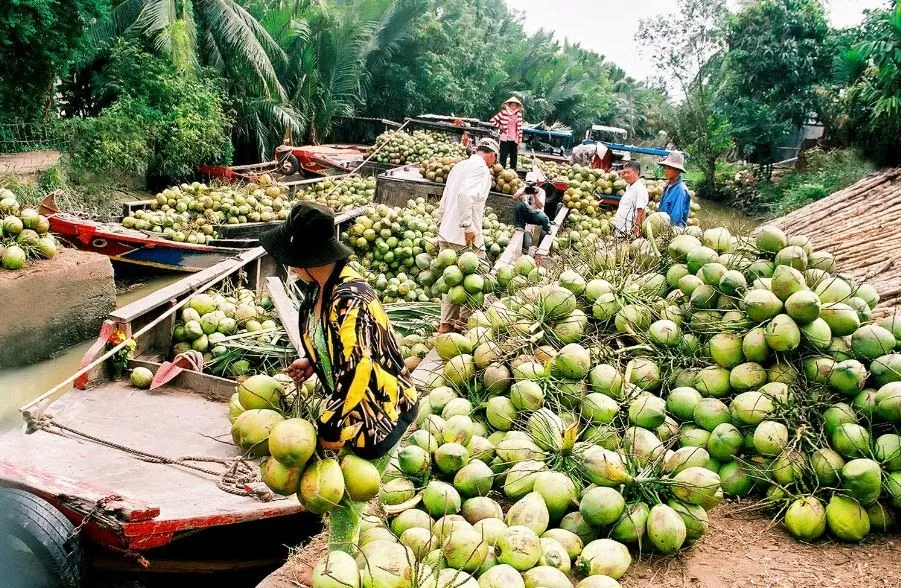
point(630, 213)
point(461, 212)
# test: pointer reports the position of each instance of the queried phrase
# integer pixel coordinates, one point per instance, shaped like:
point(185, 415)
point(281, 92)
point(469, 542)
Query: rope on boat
point(240, 477)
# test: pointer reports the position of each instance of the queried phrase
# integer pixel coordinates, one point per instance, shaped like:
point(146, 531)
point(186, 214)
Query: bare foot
point(445, 328)
point(304, 575)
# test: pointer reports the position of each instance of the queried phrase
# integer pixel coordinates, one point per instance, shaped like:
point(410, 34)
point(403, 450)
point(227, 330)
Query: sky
point(608, 26)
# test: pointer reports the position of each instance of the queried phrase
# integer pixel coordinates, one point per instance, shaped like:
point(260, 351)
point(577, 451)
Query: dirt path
point(741, 550)
point(744, 550)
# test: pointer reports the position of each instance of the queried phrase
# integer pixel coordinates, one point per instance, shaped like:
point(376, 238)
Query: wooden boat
point(147, 251)
point(312, 161)
point(133, 470)
point(133, 247)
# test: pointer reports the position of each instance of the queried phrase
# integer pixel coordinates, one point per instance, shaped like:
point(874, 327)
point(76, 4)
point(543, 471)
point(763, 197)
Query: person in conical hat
point(509, 121)
point(675, 199)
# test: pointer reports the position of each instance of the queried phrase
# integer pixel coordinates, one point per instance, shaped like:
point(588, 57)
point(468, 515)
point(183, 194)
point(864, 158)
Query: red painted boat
point(136, 248)
point(117, 471)
point(311, 160)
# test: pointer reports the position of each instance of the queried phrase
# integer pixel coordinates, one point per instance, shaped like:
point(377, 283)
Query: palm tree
point(220, 34)
point(330, 51)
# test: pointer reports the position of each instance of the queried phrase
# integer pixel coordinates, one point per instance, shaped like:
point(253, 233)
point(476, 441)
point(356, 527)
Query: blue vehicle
point(553, 141)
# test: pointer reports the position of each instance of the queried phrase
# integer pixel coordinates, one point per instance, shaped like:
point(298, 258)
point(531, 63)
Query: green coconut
point(711, 412)
point(726, 349)
point(782, 334)
point(572, 361)
point(833, 289)
point(793, 256)
point(252, 428)
point(805, 519)
point(521, 478)
point(694, 516)
point(682, 401)
point(787, 281)
point(754, 347)
point(862, 478)
point(886, 369)
point(604, 557)
point(848, 377)
point(725, 442)
point(747, 376)
point(733, 283)
point(336, 570)
point(440, 499)
point(851, 440)
point(697, 486)
point(574, 523)
point(601, 506)
point(474, 479)
point(321, 486)
point(519, 548)
point(685, 457)
point(817, 334)
point(666, 529)
point(735, 479)
point(887, 450)
point(871, 341)
point(770, 437)
point(770, 239)
point(888, 402)
point(761, 305)
point(827, 466)
point(713, 381)
point(846, 518)
point(558, 491)
point(842, 319)
point(803, 306)
point(751, 407)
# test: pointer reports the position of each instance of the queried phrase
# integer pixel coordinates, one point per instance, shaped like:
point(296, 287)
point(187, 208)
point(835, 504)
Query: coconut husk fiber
point(861, 227)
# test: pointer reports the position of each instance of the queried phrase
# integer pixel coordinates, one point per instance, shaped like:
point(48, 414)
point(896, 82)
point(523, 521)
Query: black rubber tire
point(46, 532)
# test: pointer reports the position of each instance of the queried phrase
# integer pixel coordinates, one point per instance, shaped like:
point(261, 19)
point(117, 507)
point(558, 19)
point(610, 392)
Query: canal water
point(19, 385)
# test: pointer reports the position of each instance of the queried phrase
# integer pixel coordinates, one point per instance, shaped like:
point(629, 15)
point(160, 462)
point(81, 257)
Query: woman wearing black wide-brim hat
point(349, 344)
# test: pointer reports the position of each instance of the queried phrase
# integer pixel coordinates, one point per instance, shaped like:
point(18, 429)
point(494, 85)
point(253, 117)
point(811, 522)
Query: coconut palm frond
point(154, 23)
point(239, 37)
point(103, 31)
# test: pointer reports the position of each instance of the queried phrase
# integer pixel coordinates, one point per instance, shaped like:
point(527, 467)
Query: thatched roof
point(861, 227)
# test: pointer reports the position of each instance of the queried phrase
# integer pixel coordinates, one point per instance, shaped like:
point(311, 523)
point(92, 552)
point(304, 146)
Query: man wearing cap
point(509, 122)
point(528, 208)
point(348, 343)
point(630, 212)
point(460, 215)
point(675, 200)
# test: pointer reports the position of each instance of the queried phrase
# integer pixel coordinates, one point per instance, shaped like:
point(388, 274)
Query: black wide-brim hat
point(306, 239)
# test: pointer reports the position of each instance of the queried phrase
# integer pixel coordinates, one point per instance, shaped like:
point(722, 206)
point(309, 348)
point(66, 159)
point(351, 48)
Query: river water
point(19, 385)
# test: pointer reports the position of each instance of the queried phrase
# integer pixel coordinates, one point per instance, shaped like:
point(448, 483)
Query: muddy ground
point(742, 550)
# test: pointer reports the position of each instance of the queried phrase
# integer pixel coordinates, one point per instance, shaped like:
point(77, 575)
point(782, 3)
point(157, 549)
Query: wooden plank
point(203, 384)
point(429, 365)
point(545, 248)
point(287, 312)
point(187, 285)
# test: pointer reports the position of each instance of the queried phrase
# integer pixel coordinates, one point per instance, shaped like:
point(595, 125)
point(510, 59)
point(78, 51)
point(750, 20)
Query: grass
point(82, 194)
point(826, 172)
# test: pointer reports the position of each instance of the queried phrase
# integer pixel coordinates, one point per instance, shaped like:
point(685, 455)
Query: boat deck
point(171, 422)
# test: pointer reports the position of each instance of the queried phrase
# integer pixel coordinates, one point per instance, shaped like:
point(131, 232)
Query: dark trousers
point(509, 149)
point(523, 215)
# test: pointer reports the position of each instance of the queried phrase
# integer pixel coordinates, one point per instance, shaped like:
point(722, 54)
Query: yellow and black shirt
point(371, 400)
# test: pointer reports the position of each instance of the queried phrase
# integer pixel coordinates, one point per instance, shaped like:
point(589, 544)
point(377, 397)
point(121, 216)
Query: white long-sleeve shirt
point(462, 205)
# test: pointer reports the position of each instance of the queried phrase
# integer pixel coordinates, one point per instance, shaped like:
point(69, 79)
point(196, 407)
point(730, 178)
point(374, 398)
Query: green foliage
point(777, 56)
point(38, 39)
point(692, 45)
point(825, 172)
point(161, 122)
point(870, 74)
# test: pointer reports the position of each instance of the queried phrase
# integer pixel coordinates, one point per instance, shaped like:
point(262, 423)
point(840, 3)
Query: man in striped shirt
point(509, 123)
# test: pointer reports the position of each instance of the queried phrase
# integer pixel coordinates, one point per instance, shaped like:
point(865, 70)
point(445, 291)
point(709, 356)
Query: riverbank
point(23, 383)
